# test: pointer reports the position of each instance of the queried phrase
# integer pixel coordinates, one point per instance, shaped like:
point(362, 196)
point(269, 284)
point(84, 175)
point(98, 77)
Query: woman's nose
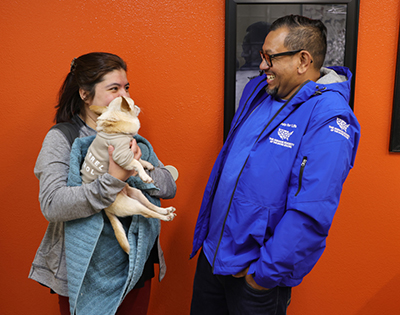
point(123, 92)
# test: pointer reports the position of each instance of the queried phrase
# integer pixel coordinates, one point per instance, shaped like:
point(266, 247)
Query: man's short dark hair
point(304, 33)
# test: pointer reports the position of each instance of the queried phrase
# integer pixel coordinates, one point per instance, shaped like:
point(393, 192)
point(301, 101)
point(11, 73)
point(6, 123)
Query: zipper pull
point(302, 166)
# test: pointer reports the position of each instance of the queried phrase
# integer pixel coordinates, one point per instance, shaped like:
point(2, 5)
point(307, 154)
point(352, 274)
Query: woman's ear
point(83, 94)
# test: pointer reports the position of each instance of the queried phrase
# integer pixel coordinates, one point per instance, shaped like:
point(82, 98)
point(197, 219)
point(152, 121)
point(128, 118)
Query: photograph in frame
point(247, 25)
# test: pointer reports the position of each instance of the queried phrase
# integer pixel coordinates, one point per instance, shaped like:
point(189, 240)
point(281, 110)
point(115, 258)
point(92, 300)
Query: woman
point(94, 79)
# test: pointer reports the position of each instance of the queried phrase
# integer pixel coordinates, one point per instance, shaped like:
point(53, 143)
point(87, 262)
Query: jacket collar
point(335, 79)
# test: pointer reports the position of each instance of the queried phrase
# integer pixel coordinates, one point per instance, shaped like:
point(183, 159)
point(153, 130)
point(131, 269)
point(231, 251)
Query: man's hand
point(249, 279)
point(242, 273)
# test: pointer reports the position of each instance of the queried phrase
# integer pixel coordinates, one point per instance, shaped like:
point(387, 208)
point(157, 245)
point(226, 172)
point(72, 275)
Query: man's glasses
point(268, 58)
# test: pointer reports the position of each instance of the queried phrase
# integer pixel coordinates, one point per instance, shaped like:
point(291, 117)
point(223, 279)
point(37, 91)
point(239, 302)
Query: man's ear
point(305, 61)
point(98, 109)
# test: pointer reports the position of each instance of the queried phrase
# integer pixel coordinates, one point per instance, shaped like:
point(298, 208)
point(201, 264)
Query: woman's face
point(114, 84)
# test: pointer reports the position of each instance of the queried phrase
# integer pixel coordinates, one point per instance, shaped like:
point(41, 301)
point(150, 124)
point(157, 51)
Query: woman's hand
point(137, 153)
point(117, 171)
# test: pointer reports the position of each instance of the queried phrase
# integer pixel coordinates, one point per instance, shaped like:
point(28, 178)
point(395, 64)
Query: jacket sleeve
point(60, 203)
point(327, 152)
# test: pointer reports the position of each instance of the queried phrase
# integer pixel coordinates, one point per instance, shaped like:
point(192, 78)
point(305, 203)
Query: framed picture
point(394, 145)
point(247, 25)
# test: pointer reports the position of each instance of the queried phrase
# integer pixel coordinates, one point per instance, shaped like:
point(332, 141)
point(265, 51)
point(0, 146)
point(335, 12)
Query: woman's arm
point(59, 202)
point(164, 181)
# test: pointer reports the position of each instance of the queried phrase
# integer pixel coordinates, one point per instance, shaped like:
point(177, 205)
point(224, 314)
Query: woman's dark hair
point(304, 33)
point(86, 71)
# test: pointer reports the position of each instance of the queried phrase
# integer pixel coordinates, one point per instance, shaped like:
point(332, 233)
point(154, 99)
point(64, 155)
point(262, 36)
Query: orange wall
point(175, 54)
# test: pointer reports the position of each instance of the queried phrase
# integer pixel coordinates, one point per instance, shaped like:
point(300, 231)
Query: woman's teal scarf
point(100, 273)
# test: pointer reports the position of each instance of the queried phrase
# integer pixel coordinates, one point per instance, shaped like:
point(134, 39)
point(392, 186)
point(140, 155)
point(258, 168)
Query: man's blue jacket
point(281, 206)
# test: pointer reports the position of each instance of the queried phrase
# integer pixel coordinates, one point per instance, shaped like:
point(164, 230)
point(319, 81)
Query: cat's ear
point(125, 105)
point(136, 110)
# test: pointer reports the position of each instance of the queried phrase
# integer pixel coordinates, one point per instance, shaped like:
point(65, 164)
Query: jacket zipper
point(302, 166)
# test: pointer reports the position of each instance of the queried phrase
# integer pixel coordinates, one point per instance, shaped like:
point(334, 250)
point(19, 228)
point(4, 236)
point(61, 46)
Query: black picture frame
point(394, 145)
point(231, 60)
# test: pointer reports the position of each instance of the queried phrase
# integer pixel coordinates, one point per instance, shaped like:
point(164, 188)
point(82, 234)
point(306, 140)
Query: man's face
point(282, 77)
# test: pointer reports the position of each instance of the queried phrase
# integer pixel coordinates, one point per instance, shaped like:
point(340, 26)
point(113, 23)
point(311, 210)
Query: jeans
point(220, 295)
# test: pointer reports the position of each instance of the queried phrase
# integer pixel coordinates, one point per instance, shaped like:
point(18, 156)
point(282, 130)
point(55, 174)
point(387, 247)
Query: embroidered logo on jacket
point(284, 135)
point(342, 130)
point(342, 124)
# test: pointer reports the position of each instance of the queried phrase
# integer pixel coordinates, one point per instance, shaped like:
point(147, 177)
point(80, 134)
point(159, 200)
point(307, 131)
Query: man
point(276, 183)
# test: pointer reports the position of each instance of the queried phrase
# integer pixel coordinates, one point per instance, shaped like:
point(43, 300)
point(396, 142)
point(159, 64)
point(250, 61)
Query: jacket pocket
point(302, 167)
point(250, 221)
point(247, 222)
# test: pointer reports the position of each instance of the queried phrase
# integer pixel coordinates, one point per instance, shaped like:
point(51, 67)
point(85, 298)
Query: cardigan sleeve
point(164, 181)
point(60, 203)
